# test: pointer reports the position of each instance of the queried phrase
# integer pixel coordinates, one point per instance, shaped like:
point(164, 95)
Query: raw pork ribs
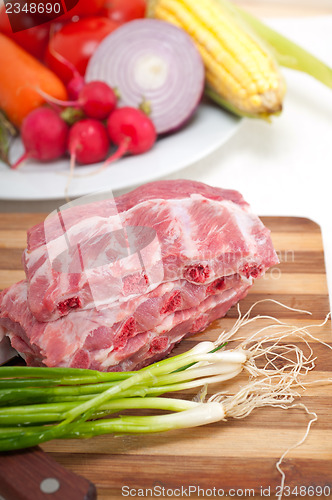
point(115, 284)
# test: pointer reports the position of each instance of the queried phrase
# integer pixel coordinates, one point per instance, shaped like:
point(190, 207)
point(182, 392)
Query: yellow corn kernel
point(237, 68)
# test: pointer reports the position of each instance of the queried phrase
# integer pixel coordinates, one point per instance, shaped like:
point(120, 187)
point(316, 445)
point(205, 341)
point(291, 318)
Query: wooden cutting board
point(237, 457)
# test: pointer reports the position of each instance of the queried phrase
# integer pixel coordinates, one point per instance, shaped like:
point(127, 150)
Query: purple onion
point(153, 65)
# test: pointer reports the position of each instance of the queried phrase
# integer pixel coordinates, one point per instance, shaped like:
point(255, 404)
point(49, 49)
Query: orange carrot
point(21, 76)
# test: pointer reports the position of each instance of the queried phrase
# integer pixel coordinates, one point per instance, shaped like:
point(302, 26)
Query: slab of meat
point(115, 284)
point(107, 252)
point(90, 339)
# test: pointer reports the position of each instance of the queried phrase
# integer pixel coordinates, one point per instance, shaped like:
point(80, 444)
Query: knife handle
point(33, 475)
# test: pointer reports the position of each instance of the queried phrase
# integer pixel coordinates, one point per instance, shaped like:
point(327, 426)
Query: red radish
point(96, 99)
point(88, 142)
point(131, 130)
point(75, 86)
point(44, 135)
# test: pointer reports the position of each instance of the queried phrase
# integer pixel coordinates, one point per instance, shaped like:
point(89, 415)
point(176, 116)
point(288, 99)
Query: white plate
point(209, 128)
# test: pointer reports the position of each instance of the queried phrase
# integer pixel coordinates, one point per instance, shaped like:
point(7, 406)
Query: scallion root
point(285, 369)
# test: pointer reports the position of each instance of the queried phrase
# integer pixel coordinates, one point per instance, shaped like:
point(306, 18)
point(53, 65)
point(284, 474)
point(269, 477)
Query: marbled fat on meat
point(188, 252)
point(86, 339)
point(201, 233)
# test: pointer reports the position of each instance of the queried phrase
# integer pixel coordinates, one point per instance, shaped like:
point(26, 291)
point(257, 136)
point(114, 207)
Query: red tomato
point(83, 8)
point(122, 11)
point(33, 40)
point(76, 42)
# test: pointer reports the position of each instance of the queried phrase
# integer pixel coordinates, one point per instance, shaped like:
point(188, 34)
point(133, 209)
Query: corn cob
point(286, 52)
point(240, 73)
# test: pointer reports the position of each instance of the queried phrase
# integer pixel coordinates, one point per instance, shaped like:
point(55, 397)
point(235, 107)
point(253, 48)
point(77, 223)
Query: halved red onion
point(153, 65)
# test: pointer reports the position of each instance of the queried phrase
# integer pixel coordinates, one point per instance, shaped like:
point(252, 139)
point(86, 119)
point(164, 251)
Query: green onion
point(44, 406)
point(199, 414)
point(62, 410)
point(26, 415)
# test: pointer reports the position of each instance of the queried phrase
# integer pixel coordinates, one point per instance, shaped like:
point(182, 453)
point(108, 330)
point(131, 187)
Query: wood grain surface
point(237, 457)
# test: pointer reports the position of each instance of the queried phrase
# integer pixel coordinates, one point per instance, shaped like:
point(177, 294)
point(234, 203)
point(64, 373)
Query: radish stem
point(21, 160)
point(52, 100)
